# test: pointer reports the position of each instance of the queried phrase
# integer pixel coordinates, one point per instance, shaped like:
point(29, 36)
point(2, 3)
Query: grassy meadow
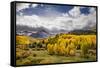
point(61, 48)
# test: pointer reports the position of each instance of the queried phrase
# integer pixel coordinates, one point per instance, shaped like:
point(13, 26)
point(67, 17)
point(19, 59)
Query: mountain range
point(41, 32)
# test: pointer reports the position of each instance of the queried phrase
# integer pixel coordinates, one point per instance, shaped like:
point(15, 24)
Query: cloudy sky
point(58, 17)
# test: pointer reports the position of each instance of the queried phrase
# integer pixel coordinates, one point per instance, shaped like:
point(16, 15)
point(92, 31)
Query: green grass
point(42, 57)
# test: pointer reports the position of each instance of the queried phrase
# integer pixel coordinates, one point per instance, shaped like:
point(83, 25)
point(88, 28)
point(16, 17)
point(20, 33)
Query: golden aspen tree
point(55, 49)
point(50, 48)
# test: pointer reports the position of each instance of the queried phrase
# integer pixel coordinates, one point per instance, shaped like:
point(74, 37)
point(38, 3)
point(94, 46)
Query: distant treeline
point(83, 32)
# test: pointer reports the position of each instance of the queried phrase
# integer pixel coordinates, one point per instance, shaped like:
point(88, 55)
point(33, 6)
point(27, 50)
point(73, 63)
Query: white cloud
point(42, 5)
point(65, 22)
point(20, 6)
point(75, 12)
point(92, 10)
point(34, 5)
point(32, 21)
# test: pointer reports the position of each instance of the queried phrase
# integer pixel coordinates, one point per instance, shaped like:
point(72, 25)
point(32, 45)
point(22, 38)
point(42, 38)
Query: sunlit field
point(61, 48)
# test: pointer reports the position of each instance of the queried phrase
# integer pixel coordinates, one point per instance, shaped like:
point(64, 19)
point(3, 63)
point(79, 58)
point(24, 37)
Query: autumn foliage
point(68, 44)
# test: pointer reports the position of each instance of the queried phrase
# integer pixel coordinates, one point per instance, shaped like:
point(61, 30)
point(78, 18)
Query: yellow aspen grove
point(22, 40)
point(68, 44)
point(50, 48)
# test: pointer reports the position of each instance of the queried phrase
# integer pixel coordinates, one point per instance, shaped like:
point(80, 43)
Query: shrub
point(84, 49)
point(27, 62)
